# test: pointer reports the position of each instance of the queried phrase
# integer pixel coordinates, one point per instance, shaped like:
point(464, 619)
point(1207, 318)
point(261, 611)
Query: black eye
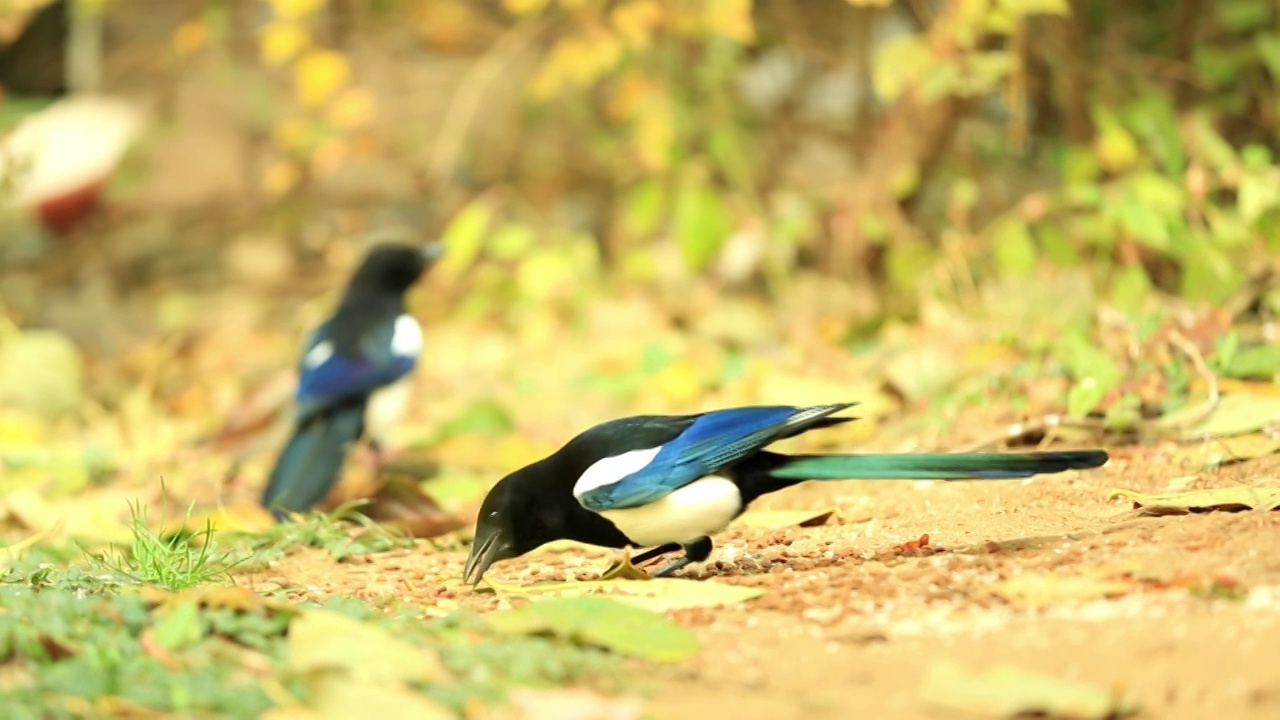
point(493, 514)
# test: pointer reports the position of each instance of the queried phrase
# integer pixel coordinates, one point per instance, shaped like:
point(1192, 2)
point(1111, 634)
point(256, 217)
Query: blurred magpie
point(353, 377)
point(669, 482)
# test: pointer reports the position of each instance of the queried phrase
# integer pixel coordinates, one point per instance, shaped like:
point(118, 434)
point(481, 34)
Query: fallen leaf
point(779, 519)
point(403, 505)
point(604, 622)
point(625, 570)
point(318, 74)
point(559, 546)
point(1038, 590)
point(921, 371)
point(41, 372)
point(1224, 450)
point(178, 627)
point(1007, 691)
point(10, 553)
point(656, 594)
point(1238, 413)
point(224, 597)
point(323, 640)
point(152, 647)
point(571, 704)
point(93, 517)
point(337, 697)
point(240, 517)
point(257, 411)
point(1229, 499)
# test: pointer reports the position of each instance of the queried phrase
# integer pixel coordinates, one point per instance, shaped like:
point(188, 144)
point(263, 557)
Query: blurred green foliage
point(1137, 139)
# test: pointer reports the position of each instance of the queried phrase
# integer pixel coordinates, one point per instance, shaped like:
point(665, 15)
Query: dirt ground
point(849, 623)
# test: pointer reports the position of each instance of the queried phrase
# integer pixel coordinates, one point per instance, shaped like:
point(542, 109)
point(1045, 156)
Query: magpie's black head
point(519, 514)
point(394, 267)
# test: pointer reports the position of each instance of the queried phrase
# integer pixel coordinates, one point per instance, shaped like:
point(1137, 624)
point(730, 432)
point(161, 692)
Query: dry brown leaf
point(779, 519)
point(1224, 450)
point(402, 504)
point(1229, 499)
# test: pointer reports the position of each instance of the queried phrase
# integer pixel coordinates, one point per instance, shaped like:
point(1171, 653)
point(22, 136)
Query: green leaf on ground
point(617, 626)
point(322, 640)
point(1008, 691)
point(1038, 590)
point(180, 626)
point(1239, 413)
point(655, 594)
point(778, 519)
point(1257, 361)
point(1229, 499)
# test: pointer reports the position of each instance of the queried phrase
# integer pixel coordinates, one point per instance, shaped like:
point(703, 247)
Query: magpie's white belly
point(703, 507)
point(385, 407)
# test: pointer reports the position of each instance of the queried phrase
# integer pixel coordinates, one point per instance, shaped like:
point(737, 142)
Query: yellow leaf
point(190, 37)
point(295, 9)
point(338, 697)
point(318, 75)
point(353, 108)
point(524, 7)
point(241, 517)
point(576, 60)
point(321, 640)
point(9, 553)
point(280, 177)
point(1035, 590)
point(730, 18)
point(1232, 498)
point(329, 155)
point(654, 134)
point(635, 22)
point(280, 42)
point(294, 134)
point(654, 594)
point(869, 3)
point(680, 382)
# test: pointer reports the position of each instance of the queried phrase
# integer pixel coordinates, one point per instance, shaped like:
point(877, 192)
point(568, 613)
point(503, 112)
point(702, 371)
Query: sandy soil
point(849, 623)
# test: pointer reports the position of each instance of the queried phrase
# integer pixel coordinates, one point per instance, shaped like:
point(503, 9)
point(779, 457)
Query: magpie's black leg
point(696, 551)
point(652, 553)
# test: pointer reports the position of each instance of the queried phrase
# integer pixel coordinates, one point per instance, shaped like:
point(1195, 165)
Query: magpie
point(670, 482)
point(353, 376)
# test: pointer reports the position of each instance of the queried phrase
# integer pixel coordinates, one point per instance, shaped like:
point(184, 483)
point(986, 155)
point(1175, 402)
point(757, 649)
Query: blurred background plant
point(1071, 207)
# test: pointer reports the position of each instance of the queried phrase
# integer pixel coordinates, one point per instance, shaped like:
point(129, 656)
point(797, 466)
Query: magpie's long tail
point(312, 460)
point(933, 466)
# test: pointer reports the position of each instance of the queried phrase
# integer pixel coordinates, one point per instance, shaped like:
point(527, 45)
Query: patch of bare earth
point(849, 622)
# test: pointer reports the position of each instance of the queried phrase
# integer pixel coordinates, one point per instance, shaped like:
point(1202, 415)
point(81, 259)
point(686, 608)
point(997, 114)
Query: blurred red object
point(59, 159)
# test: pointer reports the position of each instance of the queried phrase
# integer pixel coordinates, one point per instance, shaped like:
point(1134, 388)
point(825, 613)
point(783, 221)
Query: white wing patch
point(609, 470)
point(406, 339)
point(316, 356)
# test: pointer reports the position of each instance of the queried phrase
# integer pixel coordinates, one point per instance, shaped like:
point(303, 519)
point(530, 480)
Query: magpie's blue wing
point(712, 442)
point(330, 374)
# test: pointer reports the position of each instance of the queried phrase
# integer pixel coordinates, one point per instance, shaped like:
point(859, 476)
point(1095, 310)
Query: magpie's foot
point(654, 553)
point(694, 552)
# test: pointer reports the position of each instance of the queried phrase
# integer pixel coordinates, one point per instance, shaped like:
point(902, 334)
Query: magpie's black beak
point(491, 545)
point(432, 251)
